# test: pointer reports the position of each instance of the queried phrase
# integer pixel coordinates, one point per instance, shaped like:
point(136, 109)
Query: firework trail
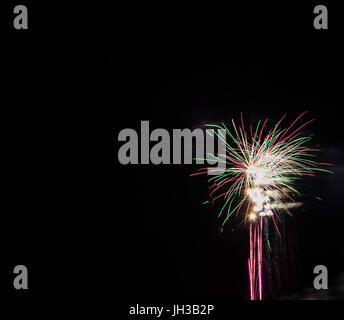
point(261, 171)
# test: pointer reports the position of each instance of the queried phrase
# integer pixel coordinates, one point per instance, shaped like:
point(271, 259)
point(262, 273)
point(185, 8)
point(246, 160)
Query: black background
point(86, 226)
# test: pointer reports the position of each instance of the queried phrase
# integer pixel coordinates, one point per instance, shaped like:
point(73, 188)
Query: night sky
point(140, 232)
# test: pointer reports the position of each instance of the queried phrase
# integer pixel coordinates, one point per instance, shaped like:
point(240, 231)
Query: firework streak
point(261, 171)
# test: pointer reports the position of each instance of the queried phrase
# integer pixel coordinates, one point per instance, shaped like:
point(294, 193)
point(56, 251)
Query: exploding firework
point(258, 183)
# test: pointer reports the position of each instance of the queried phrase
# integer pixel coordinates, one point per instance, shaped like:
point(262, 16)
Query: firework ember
point(258, 182)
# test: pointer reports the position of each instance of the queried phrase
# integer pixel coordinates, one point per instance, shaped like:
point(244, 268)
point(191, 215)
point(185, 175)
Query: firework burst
point(258, 182)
